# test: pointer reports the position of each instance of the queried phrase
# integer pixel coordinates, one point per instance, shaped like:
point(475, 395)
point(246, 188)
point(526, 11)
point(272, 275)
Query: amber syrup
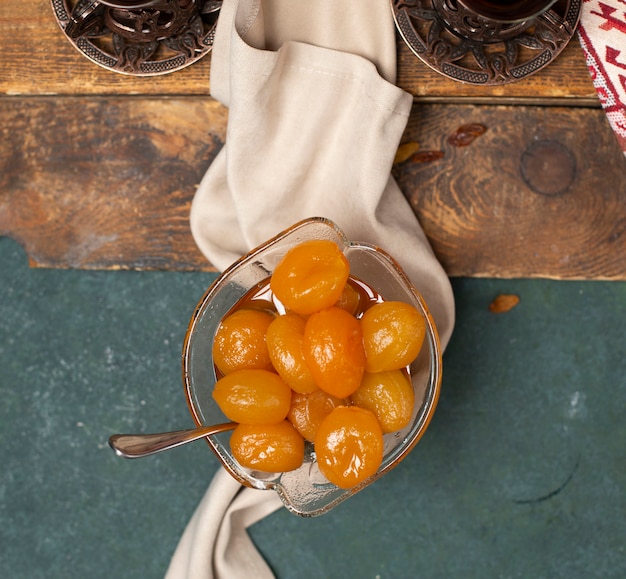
point(261, 297)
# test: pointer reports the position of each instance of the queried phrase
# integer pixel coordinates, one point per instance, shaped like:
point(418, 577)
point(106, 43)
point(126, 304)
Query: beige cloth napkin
point(314, 124)
point(215, 542)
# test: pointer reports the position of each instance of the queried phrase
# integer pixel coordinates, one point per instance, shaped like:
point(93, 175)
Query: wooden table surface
point(98, 169)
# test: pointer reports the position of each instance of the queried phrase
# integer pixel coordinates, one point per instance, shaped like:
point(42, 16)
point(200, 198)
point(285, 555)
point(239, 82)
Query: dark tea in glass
point(507, 10)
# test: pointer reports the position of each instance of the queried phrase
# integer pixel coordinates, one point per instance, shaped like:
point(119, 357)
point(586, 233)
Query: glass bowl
point(305, 491)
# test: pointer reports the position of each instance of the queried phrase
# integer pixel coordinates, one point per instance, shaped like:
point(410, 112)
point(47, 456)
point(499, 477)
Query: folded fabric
point(602, 35)
point(313, 128)
point(314, 123)
point(215, 542)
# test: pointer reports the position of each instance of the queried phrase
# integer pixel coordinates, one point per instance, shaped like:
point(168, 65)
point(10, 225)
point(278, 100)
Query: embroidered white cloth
point(602, 35)
point(314, 123)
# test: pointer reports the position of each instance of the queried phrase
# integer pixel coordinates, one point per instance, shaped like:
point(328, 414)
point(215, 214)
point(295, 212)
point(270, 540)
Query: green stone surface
point(522, 472)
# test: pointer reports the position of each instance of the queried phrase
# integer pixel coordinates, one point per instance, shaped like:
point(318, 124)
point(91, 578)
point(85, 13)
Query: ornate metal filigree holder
point(139, 37)
point(479, 51)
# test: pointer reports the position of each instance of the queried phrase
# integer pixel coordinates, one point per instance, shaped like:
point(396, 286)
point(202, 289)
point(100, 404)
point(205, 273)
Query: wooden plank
point(37, 59)
point(90, 182)
point(542, 193)
point(105, 183)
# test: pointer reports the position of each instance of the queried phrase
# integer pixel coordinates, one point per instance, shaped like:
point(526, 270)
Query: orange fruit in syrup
point(349, 446)
point(349, 300)
point(393, 333)
point(253, 396)
point(268, 447)
point(333, 350)
point(311, 276)
point(389, 395)
point(239, 341)
point(307, 411)
point(284, 342)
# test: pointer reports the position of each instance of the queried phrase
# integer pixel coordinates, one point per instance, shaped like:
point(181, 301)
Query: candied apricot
point(308, 410)
point(240, 341)
point(267, 447)
point(311, 276)
point(393, 333)
point(284, 342)
point(389, 395)
point(333, 350)
point(349, 299)
point(349, 446)
point(253, 396)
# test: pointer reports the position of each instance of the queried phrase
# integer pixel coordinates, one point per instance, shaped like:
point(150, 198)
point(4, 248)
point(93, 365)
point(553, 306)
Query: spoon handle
point(138, 445)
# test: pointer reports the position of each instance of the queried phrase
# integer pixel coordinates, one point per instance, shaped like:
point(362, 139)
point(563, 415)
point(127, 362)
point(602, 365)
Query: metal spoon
point(138, 445)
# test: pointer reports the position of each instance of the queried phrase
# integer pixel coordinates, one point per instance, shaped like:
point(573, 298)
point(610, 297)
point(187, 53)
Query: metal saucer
point(462, 55)
point(110, 50)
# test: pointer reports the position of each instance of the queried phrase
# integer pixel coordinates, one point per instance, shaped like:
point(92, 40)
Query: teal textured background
point(522, 472)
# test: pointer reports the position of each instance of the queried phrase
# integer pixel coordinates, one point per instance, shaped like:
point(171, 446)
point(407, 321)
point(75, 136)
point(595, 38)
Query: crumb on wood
point(405, 150)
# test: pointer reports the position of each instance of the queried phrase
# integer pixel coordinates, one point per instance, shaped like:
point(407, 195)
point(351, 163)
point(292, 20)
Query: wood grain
point(540, 194)
point(98, 169)
point(37, 59)
point(107, 182)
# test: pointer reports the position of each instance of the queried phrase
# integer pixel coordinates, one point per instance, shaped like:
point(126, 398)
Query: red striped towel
point(602, 34)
